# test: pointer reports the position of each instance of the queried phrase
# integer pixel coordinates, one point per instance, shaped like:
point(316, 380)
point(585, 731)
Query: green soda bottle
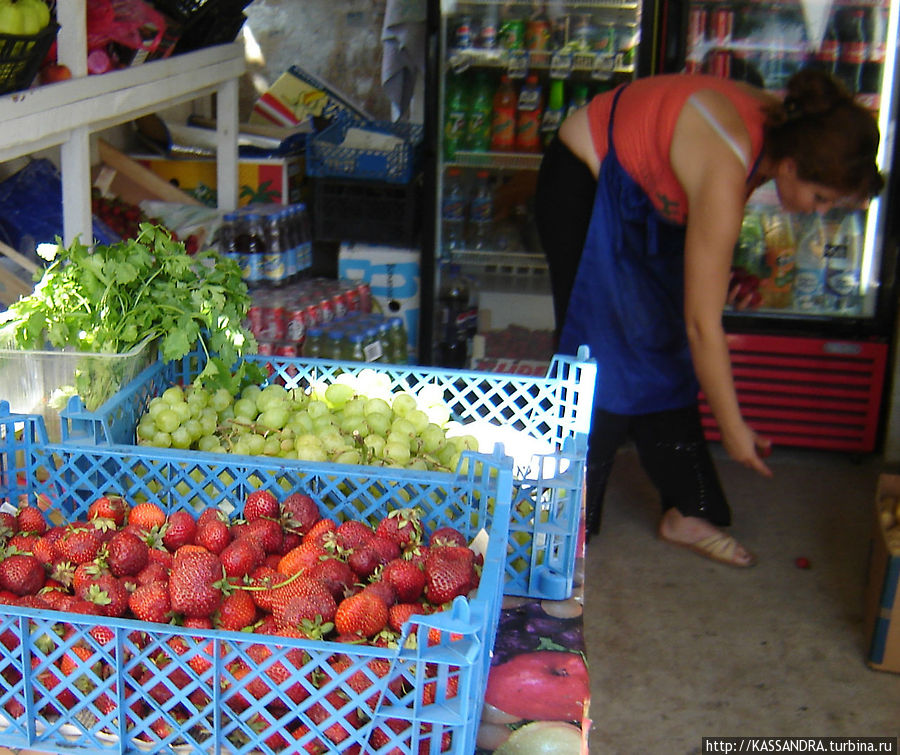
point(455, 117)
point(479, 117)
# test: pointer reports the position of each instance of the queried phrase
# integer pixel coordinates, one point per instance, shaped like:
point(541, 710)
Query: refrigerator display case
point(503, 74)
point(810, 355)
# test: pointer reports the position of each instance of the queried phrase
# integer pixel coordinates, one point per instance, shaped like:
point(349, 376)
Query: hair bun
point(812, 92)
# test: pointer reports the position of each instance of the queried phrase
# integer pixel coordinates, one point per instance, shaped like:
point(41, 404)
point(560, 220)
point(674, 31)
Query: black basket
point(368, 212)
point(21, 57)
point(204, 23)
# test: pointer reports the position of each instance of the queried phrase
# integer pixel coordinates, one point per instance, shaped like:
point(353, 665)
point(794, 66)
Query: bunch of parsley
point(112, 298)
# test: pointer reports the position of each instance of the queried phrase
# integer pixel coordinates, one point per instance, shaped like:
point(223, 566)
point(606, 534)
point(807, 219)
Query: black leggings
point(674, 453)
point(671, 445)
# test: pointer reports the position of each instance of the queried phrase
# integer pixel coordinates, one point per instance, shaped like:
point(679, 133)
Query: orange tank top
point(645, 122)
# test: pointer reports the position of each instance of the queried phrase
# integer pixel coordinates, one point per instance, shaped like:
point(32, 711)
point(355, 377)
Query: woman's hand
point(747, 448)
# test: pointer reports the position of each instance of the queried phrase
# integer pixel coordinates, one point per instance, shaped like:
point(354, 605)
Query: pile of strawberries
point(280, 569)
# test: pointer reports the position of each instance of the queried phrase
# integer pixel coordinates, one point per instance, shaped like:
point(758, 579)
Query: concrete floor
point(682, 648)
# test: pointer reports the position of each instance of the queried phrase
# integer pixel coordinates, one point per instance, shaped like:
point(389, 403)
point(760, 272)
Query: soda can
point(537, 34)
point(296, 322)
point(720, 64)
point(722, 25)
point(351, 299)
point(697, 26)
point(326, 310)
point(693, 66)
point(338, 304)
point(257, 317)
point(365, 297)
point(512, 34)
point(463, 35)
point(311, 312)
point(276, 323)
point(287, 349)
point(266, 348)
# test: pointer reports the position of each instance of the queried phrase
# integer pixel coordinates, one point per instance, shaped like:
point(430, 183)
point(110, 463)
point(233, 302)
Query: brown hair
point(832, 138)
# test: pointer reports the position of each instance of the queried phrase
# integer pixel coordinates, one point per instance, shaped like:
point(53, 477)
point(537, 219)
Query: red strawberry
point(237, 611)
point(449, 572)
point(384, 590)
point(417, 555)
point(353, 534)
point(160, 556)
point(241, 557)
point(289, 540)
point(300, 559)
point(407, 579)
point(335, 574)
point(31, 519)
point(399, 613)
point(195, 583)
point(150, 602)
point(8, 524)
point(21, 574)
point(107, 507)
point(299, 513)
point(208, 515)
point(267, 532)
point(447, 536)
point(146, 516)
point(317, 533)
point(261, 503)
point(109, 594)
point(79, 545)
point(364, 561)
point(403, 526)
point(22, 543)
point(309, 607)
point(152, 572)
point(213, 535)
point(45, 550)
point(362, 615)
point(180, 529)
point(126, 554)
point(284, 673)
point(85, 574)
point(386, 548)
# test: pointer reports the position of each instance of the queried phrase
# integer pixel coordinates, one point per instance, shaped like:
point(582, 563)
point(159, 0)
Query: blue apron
point(627, 301)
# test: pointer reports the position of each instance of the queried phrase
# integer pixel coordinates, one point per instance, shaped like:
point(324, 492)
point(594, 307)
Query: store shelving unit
point(65, 114)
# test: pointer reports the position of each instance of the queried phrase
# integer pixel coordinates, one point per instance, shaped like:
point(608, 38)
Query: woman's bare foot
point(704, 538)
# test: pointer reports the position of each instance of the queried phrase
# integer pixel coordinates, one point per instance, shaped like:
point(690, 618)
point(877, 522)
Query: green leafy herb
point(110, 299)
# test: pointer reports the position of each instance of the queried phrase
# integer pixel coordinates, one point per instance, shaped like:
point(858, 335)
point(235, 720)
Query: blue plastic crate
point(163, 688)
point(547, 497)
point(327, 156)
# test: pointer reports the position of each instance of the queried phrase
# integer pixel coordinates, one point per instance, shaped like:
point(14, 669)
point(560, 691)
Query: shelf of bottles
point(512, 71)
point(766, 42)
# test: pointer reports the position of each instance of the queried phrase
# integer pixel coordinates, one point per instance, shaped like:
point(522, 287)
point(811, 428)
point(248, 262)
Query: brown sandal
point(716, 547)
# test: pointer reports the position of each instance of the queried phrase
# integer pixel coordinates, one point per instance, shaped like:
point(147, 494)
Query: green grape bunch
point(355, 419)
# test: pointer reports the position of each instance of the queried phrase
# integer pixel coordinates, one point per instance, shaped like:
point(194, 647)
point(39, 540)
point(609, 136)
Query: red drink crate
point(138, 687)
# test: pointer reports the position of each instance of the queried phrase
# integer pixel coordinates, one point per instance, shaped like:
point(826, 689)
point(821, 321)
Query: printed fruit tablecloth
point(538, 692)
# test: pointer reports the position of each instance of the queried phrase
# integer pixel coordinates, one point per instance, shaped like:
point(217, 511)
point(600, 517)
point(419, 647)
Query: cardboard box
point(272, 179)
point(297, 95)
point(393, 275)
point(882, 607)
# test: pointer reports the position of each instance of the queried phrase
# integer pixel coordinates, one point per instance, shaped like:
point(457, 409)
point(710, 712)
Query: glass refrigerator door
point(791, 265)
point(510, 71)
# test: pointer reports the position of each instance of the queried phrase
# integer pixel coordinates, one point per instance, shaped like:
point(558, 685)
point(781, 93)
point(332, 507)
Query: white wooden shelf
point(65, 114)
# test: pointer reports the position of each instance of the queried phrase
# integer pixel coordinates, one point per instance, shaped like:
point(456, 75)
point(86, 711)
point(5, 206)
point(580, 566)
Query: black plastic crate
point(204, 23)
point(370, 212)
point(21, 57)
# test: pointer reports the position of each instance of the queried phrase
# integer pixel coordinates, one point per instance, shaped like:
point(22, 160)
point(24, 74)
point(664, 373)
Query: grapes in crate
point(355, 419)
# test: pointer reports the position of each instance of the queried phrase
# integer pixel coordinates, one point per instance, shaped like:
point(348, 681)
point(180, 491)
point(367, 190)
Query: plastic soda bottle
point(528, 116)
point(312, 346)
point(479, 116)
point(453, 211)
point(842, 259)
point(457, 318)
point(273, 260)
point(579, 98)
point(809, 270)
point(503, 120)
point(226, 238)
point(455, 117)
point(781, 248)
point(397, 340)
point(555, 112)
point(481, 212)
